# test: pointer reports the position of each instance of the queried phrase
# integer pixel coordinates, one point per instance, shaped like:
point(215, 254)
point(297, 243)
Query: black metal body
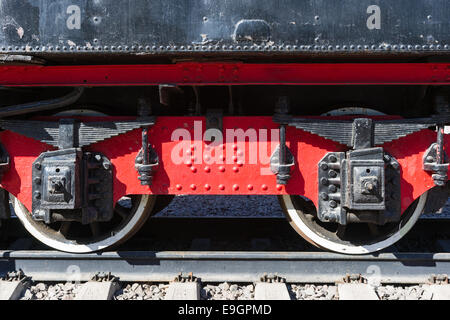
point(65, 27)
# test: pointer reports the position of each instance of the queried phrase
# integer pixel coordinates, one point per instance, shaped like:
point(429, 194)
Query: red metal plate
point(188, 167)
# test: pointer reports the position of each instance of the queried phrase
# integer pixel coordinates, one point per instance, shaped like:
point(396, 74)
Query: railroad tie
point(437, 291)
point(11, 290)
point(356, 291)
point(271, 291)
point(94, 290)
point(183, 291)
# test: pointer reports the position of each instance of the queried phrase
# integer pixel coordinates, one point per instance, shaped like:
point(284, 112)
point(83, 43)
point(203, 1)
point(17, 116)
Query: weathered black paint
point(168, 26)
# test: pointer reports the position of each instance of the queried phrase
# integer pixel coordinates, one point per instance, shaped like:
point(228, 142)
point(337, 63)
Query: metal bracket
point(68, 180)
point(272, 278)
point(14, 276)
point(182, 277)
point(438, 279)
point(435, 160)
point(147, 165)
point(104, 277)
point(354, 278)
point(282, 167)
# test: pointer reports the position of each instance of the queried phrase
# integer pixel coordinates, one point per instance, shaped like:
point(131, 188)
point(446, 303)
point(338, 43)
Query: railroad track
point(226, 253)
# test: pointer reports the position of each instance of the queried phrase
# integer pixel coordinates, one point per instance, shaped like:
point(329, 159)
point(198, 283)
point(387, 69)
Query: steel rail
point(295, 267)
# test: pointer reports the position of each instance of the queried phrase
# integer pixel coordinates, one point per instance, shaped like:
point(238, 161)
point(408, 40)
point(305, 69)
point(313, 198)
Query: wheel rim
point(312, 233)
point(61, 237)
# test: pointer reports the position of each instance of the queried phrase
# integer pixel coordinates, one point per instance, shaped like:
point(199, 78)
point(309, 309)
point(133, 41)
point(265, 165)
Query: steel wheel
point(352, 239)
point(130, 214)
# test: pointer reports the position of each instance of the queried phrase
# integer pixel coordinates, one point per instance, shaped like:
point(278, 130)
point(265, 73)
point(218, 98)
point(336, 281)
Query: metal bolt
point(37, 195)
point(324, 196)
point(37, 165)
point(324, 181)
point(332, 174)
point(332, 188)
point(333, 204)
point(37, 180)
point(324, 166)
point(332, 158)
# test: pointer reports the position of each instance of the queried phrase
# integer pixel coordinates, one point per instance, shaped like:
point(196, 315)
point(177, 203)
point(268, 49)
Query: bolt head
point(332, 158)
point(107, 166)
point(324, 166)
point(37, 195)
point(37, 165)
point(332, 188)
point(324, 181)
point(332, 174)
point(324, 196)
point(333, 204)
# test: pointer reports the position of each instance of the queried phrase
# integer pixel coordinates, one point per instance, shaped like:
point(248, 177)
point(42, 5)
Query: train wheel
point(130, 214)
point(354, 238)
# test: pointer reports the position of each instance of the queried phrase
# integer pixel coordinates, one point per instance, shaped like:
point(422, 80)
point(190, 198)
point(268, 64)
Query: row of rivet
point(188, 48)
point(222, 187)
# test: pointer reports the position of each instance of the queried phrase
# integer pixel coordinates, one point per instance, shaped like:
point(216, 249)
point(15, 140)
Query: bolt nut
point(37, 195)
point(37, 180)
point(333, 204)
point(324, 166)
point(324, 196)
point(324, 181)
point(332, 158)
point(332, 188)
point(332, 174)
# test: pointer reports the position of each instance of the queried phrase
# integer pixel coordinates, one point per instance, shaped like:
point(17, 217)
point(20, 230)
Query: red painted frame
point(195, 177)
point(220, 73)
point(234, 178)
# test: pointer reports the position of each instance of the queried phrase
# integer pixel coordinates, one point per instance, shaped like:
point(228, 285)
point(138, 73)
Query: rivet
point(207, 187)
point(240, 164)
point(221, 187)
point(194, 170)
point(207, 169)
point(193, 187)
point(235, 187)
point(235, 147)
point(179, 187)
point(264, 187)
point(235, 159)
point(222, 169)
point(279, 187)
point(250, 187)
point(188, 163)
point(236, 169)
